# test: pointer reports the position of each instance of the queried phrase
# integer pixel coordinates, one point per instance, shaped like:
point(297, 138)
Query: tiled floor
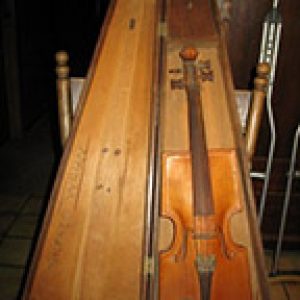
point(26, 167)
point(18, 221)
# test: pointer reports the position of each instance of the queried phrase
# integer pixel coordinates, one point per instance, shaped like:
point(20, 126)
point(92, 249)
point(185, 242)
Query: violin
point(199, 196)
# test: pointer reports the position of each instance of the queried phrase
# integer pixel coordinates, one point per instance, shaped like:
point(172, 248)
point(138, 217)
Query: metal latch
point(149, 265)
point(162, 29)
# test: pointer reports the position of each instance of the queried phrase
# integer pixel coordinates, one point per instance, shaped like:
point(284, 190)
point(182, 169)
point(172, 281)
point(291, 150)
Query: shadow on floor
point(27, 169)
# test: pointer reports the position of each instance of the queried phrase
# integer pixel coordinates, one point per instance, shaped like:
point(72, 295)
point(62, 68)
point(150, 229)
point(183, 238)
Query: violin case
point(109, 230)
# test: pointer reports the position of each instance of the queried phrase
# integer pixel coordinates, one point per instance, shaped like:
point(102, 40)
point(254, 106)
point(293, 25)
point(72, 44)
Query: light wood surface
point(215, 109)
point(96, 224)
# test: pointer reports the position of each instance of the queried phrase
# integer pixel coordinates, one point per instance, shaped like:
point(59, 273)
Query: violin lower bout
point(178, 276)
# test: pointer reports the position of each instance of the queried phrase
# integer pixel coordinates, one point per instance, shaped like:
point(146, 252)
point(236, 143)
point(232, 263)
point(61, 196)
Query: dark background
point(244, 47)
point(43, 27)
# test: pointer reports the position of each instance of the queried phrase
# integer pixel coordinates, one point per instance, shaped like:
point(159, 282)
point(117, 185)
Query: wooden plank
point(191, 20)
point(293, 290)
point(98, 206)
point(277, 292)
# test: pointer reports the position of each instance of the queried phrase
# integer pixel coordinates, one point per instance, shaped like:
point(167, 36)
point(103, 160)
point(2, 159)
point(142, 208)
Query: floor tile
point(33, 206)
point(14, 251)
point(24, 227)
point(10, 279)
point(11, 204)
point(5, 222)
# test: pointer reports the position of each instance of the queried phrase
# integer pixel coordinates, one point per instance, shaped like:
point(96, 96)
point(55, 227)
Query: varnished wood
point(215, 108)
point(93, 237)
point(98, 203)
point(177, 261)
point(257, 108)
point(63, 95)
point(185, 18)
point(249, 234)
point(223, 130)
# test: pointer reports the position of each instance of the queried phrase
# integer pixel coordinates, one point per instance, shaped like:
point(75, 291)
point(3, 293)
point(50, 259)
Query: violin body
point(178, 276)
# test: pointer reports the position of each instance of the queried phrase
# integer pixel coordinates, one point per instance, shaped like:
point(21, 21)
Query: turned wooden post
point(225, 13)
point(63, 93)
point(257, 108)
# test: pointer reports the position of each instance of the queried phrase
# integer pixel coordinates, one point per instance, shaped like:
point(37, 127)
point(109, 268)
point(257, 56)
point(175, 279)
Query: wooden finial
point(260, 84)
point(189, 53)
point(263, 70)
point(62, 72)
point(261, 81)
point(257, 108)
point(62, 58)
point(63, 93)
point(62, 69)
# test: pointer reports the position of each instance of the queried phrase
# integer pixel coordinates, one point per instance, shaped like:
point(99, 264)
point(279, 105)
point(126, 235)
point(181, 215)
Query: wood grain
point(191, 20)
point(223, 132)
point(63, 95)
point(92, 241)
point(231, 279)
point(99, 202)
point(215, 109)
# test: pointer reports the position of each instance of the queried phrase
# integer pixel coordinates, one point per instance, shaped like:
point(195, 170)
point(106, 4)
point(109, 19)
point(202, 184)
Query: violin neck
point(202, 190)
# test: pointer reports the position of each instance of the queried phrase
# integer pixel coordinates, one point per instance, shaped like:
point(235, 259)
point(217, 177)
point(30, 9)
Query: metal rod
point(150, 282)
point(258, 175)
point(269, 53)
point(286, 201)
point(270, 159)
point(275, 3)
point(263, 42)
point(297, 174)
